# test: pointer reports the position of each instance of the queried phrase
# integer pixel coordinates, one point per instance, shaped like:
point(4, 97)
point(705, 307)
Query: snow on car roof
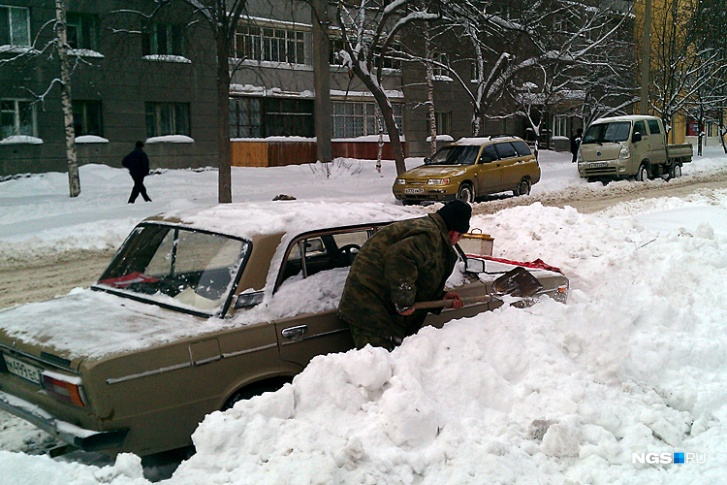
point(484, 139)
point(624, 118)
point(246, 220)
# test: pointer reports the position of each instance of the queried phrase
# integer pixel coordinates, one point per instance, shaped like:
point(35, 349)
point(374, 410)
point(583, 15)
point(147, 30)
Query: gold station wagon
point(196, 311)
point(470, 168)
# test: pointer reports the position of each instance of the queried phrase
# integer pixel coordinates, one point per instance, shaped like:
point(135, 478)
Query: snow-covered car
point(196, 311)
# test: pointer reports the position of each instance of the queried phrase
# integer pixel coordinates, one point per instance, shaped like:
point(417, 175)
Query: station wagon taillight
point(64, 388)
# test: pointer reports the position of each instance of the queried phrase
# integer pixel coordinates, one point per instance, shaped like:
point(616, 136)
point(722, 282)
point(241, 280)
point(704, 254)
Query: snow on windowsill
point(442, 78)
point(169, 139)
point(85, 53)
point(166, 58)
point(15, 49)
point(21, 140)
point(91, 139)
point(367, 139)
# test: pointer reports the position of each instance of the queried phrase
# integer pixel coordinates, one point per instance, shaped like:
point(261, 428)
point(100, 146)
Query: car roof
point(625, 118)
point(247, 220)
point(483, 140)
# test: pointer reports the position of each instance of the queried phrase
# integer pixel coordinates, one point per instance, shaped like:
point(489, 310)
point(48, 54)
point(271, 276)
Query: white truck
point(630, 146)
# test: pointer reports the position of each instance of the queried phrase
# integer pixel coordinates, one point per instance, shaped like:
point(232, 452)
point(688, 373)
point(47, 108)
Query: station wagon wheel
point(523, 188)
point(466, 193)
point(256, 389)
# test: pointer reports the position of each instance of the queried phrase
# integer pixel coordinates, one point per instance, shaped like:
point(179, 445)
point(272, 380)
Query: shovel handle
point(425, 305)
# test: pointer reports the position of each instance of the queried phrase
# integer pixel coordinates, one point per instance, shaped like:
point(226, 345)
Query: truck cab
point(630, 146)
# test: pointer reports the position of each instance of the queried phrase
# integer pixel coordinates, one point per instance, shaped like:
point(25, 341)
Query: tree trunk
point(224, 180)
point(74, 182)
point(387, 112)
point(322, 81)
point(430, 97)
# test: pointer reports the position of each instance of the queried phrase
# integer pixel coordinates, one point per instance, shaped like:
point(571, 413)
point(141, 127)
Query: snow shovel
point(517, 283)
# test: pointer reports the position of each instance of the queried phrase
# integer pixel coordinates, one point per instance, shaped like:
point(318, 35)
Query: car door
point(641, 149)
point(657, 147)
point(511, 171)
point(311, 327)
point(489, 172)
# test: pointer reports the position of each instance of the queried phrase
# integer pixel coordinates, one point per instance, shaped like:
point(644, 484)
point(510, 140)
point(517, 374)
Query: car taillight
point(65, 388)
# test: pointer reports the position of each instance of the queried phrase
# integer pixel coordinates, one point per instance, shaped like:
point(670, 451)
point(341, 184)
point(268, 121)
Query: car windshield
point(454, 155)
point(608, 132)
point(177, 267)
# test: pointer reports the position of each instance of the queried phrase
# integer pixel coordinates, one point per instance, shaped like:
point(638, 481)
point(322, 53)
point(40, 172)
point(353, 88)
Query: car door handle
point(293, 333)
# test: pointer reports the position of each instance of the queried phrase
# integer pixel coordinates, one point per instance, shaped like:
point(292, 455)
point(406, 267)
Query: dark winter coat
point(137, 162)
point(406, 262)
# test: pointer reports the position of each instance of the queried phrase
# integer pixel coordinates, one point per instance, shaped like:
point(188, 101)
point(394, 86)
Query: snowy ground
point(636, 362)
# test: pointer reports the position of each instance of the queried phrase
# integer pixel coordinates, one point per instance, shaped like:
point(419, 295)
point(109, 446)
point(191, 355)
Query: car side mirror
point(249, 300)
point(473, 265)
point(637, 137)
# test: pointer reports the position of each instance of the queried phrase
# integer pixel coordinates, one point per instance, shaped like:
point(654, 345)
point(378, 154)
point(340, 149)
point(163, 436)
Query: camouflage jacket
point(405, 262)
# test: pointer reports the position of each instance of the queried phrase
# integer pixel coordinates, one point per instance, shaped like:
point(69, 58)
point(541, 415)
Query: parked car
point(196, 311)
point(470, 168)
point(630, 146)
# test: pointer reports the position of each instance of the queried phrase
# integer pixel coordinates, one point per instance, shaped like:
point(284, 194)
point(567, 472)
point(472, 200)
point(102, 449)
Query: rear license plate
point(26, 371)
point(599, 164)
point(413, 191)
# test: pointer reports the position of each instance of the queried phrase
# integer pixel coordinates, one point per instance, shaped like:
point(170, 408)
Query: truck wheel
point(675, 171)
point(466, 193)
point(643, 173)
point(523, 188)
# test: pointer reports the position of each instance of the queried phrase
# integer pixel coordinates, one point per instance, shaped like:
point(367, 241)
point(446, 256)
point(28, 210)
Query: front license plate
point(413, 191)
point(26, 371)
point(599, 164)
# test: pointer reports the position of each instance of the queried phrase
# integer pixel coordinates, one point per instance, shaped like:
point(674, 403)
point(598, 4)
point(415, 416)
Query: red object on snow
point(537, 264)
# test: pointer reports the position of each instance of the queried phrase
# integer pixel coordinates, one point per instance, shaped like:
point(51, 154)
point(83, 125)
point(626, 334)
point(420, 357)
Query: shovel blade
point(518, 282)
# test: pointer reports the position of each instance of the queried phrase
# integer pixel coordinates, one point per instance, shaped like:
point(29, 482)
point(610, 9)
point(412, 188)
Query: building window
point(167, 119)
point(14, 26)
point(560, 126)
point(246, 118)
point(443, 122)
point(288, 117)
point(261, 117)
point(18, 118)
point(87, 118)
point(82, 31)
point(354, 119)
point(273, 45)
point(438, 70)
point(163, 39)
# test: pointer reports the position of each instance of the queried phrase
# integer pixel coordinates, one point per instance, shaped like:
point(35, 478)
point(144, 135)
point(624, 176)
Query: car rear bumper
point(84, 439)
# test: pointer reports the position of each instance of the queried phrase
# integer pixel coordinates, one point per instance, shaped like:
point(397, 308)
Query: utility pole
point(646, 60)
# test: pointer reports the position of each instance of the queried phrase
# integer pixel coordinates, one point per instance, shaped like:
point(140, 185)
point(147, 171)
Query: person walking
point(404, 263)
point(138, 164)
point(575, 143)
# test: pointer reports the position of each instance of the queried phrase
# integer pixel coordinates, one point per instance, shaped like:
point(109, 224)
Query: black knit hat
point(456, 215)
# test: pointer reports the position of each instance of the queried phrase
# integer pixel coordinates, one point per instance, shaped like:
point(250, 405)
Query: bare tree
point(58, 47)
point(369, 30)
point(61, 30)
point(221, 17)
point(511, 44)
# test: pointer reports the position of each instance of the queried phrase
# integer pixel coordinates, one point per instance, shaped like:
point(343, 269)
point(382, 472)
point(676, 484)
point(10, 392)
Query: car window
point(640, 127)
point(522, 149)
point(454, 155)
point(608, 132)
point(505, 150)
point(488, 154)
point(323, 252)
point(654, 127)
point(176, 267)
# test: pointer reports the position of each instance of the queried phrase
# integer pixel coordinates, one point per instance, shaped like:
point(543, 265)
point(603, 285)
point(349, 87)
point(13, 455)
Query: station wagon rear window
point(176, 267)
